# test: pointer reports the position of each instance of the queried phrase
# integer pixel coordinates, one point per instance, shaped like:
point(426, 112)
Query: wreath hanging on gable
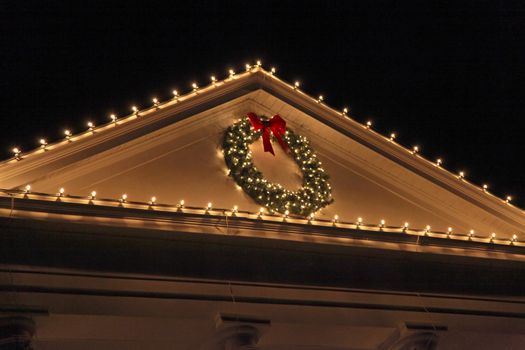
point(315, 192)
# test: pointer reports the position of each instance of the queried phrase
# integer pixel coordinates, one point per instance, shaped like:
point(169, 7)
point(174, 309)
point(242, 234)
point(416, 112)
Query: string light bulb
point(514, 238)
point(320, 99)
point(485, 187)
point(153, 201)
point(235, 209)
point(156, 103)
point(461, 175)
point(427, 229)
point(382, 223)
point(248, 67)
point(43, 144)
point(261, 211)
point(231, 72)
point(259, 63)
point(405, 226)
point(508, 199)
point(135, 110)
point(113, 118)
point(195, 87)
point(123, 198)
point(296, 85)
point(93, 195)
point(359, 222)
point(392, 136)
point(492, 237)
point(17, 152)
point(90, 126)
point(471, 234)
point(368, 124)
point(273, 70)
point(335, 219)
point(61, 192)
point(439, 161)
point(27, 189)
point(415, 149)
point(213, 79)
point(208, 207)
point(286, 213)
point(67, 133)
point(175, 95)
point(345, 111)
point(449, 231)
point(181, 203)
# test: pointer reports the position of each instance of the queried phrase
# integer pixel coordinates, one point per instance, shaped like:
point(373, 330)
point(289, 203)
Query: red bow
point(276, 124)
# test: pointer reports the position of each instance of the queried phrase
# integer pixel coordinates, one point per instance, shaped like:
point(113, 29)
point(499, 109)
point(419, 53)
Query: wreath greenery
point(315, 192)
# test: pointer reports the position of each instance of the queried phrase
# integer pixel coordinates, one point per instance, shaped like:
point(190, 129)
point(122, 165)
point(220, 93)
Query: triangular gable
point(173, 152)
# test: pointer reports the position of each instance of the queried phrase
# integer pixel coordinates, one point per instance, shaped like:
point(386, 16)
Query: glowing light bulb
point(286, 213)
point(461, 175)
point(359, 221)
point(61, 191)
point(368, 124)
point(153, 200)
point(320, 99)
point(90, 126)
point(492, 236)
point(508, 199)
point(449, 231)
point(439, 161)
point(113, 118)
point(17, 152)
point(485, 187)
point(261, 211)
point(194, 86)
point(247, 67)
point(208, 207)
point(155, 102)
point(175, 94)
point(382, 223)
point(259, 63)
point(392, 136)
point(336, 218)
point(43, 143)
point(68, 134)
point(27, 189)
point(93, 194)
point(345, 111)
point(415, 149)
point(405, 226)
point(124, 198)
point(273, 70)
point(427, 229)
point(471, 233)
point(181, 203)
point(213, 79)
point(231, 72)
point(514, 238)
point(135, 110)
point(235, 208)
point(296, 85)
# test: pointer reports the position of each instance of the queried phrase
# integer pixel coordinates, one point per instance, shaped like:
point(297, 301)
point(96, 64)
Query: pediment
point(174, 153)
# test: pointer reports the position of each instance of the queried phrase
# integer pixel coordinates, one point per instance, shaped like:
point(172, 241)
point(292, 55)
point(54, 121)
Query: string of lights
point(18, 155)
point(261, 214)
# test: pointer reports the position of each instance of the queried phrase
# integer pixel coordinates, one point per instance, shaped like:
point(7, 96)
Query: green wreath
point(315, 192)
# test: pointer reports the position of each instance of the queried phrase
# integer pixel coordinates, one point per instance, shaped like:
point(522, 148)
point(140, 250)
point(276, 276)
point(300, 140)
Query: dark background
point(448, 76)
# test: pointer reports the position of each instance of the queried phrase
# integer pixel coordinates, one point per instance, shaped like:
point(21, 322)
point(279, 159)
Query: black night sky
point(448, 76)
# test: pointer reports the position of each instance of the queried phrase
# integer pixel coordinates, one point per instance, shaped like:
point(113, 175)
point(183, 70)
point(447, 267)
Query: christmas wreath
point(315, 192)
